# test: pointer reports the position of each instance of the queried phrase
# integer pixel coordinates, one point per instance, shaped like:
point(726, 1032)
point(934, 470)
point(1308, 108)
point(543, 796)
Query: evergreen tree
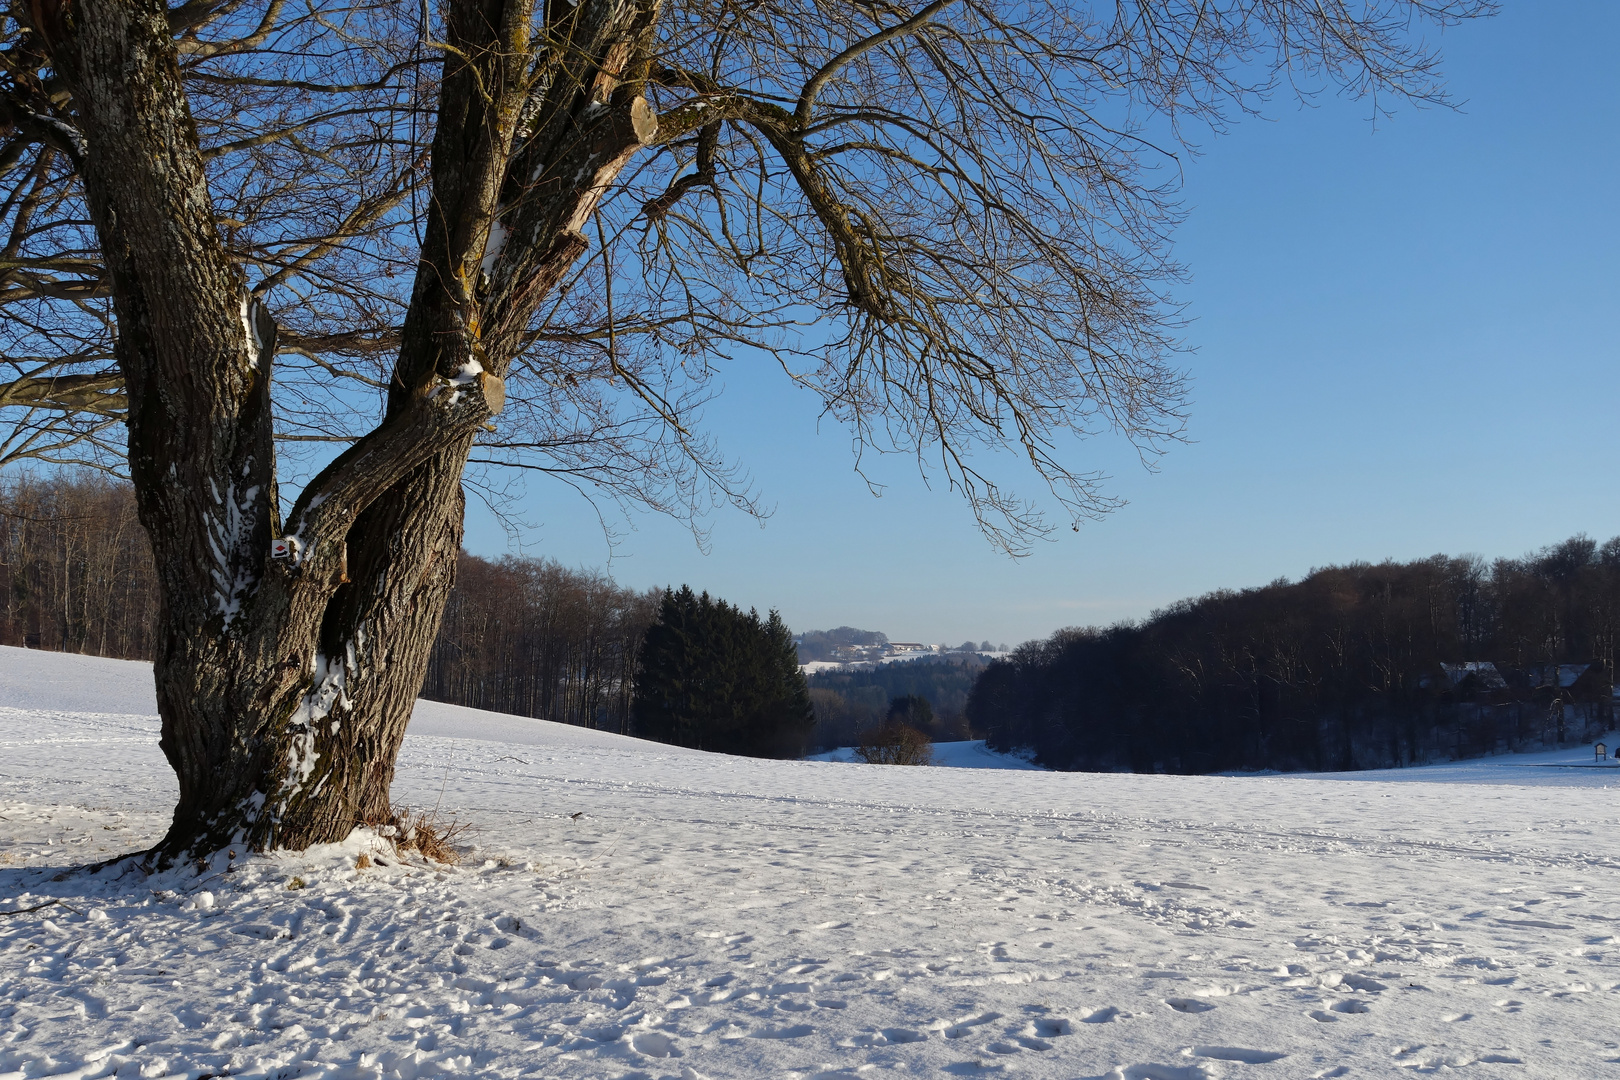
point(715, 678)
point(912, 710)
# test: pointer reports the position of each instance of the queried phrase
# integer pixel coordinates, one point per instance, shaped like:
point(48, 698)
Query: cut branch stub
point(494, 390)
point(643, 121)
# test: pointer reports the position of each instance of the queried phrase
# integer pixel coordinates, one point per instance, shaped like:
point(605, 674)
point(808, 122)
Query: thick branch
point(101, 394)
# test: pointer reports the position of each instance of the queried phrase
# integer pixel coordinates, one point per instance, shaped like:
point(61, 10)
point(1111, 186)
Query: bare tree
point(358, 222)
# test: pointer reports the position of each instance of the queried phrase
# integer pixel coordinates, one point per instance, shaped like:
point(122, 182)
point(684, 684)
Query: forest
point(520, 635)
point(850, 702)
point(1353, 667)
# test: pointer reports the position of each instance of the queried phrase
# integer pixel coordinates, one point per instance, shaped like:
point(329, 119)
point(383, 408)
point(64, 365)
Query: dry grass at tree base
point(895, 744)
point(425, 833)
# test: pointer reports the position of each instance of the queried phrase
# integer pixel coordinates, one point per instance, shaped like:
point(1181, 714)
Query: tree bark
point(290, 650)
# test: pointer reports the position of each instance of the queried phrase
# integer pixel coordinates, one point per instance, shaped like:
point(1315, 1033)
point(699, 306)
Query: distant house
point(1479, 675)
point(909, 647)
point(1574, 682)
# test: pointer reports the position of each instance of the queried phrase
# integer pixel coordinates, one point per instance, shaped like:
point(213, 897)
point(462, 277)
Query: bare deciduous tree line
point(520, 635)
point(75, 567)
point(532, 637)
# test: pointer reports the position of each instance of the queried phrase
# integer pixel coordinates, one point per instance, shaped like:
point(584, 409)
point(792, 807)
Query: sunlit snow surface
point(706, 916)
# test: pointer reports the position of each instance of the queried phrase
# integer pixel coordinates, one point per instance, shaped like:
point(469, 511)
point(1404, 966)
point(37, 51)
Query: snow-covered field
point(633, 910)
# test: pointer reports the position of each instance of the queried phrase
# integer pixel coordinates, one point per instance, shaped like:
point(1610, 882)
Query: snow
point(956, 755)
point(633, 910)
point(494, 245)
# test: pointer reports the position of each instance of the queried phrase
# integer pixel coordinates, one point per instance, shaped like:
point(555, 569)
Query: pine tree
point(714, 678)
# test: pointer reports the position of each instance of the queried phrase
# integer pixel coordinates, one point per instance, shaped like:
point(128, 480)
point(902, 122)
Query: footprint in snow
point(887, 1037)
point(1350, 1005)
point(654, 1044)
point(1187, 1005)
point(1151, 1071)
point(965, 1025)
point(796, 1031)
point(1233, 1053)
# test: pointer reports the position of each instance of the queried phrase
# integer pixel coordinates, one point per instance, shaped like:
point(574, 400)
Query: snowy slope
point(707, 916)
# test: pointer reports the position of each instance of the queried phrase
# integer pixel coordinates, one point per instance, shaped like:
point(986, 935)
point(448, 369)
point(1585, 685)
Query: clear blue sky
point(1405, 343)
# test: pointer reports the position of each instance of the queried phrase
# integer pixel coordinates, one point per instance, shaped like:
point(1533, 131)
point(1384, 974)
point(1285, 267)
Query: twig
point(26, 910)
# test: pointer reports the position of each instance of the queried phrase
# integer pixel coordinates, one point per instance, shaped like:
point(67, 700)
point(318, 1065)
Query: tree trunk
point(290, 651)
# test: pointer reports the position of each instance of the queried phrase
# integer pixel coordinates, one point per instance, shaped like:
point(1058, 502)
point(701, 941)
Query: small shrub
point(297, 883)
point(363, 862)
point(895, 744)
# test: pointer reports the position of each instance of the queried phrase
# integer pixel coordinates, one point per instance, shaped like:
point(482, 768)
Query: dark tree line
point(850, 703)
point(524, 636)
point(717, 678)
point(1346, 669)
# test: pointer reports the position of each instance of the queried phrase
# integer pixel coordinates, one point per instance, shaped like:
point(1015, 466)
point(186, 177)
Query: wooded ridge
point(1353, 667)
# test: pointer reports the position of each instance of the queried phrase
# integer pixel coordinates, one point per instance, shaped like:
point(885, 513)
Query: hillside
point(627, 909)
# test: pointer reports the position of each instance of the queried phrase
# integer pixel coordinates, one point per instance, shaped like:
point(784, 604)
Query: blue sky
point(1405, 344)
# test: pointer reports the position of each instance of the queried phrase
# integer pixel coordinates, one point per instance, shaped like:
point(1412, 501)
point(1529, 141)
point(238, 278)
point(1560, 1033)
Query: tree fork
point(285, 684)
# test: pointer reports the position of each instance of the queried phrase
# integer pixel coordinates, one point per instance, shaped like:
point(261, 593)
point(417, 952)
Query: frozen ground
point(631, 910)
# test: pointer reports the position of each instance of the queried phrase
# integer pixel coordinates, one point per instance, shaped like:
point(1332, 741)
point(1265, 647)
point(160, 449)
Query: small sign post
point(1602, 752)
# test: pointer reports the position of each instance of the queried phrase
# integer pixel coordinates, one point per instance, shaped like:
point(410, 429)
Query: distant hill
point(844, 644)
point(849, 645)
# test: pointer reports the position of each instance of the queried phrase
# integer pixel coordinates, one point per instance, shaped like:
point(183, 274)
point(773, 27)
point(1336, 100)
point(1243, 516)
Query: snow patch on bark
point(227, 530)
point(466, 375)
point(327, 694)
point(493, 246)
point(254, 348)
